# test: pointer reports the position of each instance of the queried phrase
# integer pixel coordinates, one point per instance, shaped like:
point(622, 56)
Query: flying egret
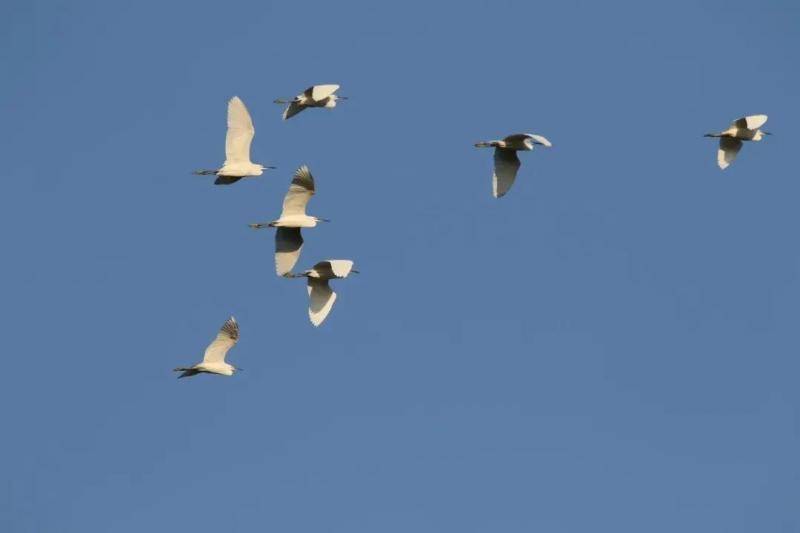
point(288, 239)
point(237, 147)
point(506, 162)
point(320, 294)
point(214, 357)
point(730, 140)
point(314, 96)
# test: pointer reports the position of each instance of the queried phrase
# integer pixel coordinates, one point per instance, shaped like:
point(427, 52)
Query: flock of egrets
point(293, 217)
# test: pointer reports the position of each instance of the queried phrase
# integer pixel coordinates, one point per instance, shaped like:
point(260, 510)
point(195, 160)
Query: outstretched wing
point(240, 133)
point(538, 139)
point(292, 109)
point(288, 244)
point(333, 268)
point(300, 192)
point(226, 339)
point(226, 180)
point(751, 122)
point(320, 92)
point(728, 149)
point(506, 165)
point(320, 300)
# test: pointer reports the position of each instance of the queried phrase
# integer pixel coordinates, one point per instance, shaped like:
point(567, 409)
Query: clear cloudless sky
point(611, 347)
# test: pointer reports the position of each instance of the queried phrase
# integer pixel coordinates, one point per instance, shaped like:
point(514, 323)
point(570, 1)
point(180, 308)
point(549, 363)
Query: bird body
point(237, 147)
point(214, 356)
point(314, 96)
point(506, 162)
point(295, 221)
point(288, 238)
point(320, 295)
point(730, 140)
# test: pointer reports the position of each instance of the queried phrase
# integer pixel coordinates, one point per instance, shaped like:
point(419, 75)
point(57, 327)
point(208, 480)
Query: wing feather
point(751, 122)
point(288, 244)
point(319, 92)
point(506, 165)
point(240, 133)
point(728, 149)
point(300, 192)
point(226, 339)
point(320, 300)
point(292, 109)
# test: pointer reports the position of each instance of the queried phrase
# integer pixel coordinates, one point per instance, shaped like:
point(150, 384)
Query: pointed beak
point(324, 219)
point(341, 97)
point(354, 271)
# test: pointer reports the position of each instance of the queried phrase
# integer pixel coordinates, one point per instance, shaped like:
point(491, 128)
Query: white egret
point(214, 357)
point(237, 147)
point(730, 140)
point(506, 162)
point(288, 239)
point(320, 295)
point(314, 96)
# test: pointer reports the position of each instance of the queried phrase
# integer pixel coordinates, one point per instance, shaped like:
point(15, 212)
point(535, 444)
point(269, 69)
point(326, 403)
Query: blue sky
point(613, 346)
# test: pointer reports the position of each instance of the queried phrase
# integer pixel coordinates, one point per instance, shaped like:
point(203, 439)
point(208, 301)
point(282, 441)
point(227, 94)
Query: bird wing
point(288, 244)
point(320, 300)
point(240, 133)
point(300, 192)
point(226, 180)
point(318, 92)
point(541, 140)
point(292, 109)
point(225, 340)
point(340, 268)
point(752, 122)
point(506, 165)
point(728, 148)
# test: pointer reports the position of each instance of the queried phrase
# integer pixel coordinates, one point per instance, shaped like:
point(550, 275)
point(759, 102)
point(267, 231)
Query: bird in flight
point(506, 162)
point(730, 140)
point(237, 147)
point(320, 295)
point(288, 239)
point(214, 357)
point(314, 96)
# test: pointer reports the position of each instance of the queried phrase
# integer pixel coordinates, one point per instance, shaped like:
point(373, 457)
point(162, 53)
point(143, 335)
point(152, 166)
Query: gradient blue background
point(611, 347)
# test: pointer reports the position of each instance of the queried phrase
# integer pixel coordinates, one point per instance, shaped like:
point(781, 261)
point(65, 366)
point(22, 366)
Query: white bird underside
point(320, 295)
point(506, 161)
point(320, 300)
point(314, 96)
point(214, 356)
point(288, 245)
point(751, 122)
point(727, 152)
point(288, 239)
point(300, 192)
point(318, 92)
point(506, 165)
point(239, 137)
point(730, 140)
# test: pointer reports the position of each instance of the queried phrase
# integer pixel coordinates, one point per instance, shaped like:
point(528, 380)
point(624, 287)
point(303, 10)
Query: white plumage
point(730, 141)
point(320, 295)
point(288, 238)
point(506, 162)
point(214, 356)
point(314, 96)
point(238, 139)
